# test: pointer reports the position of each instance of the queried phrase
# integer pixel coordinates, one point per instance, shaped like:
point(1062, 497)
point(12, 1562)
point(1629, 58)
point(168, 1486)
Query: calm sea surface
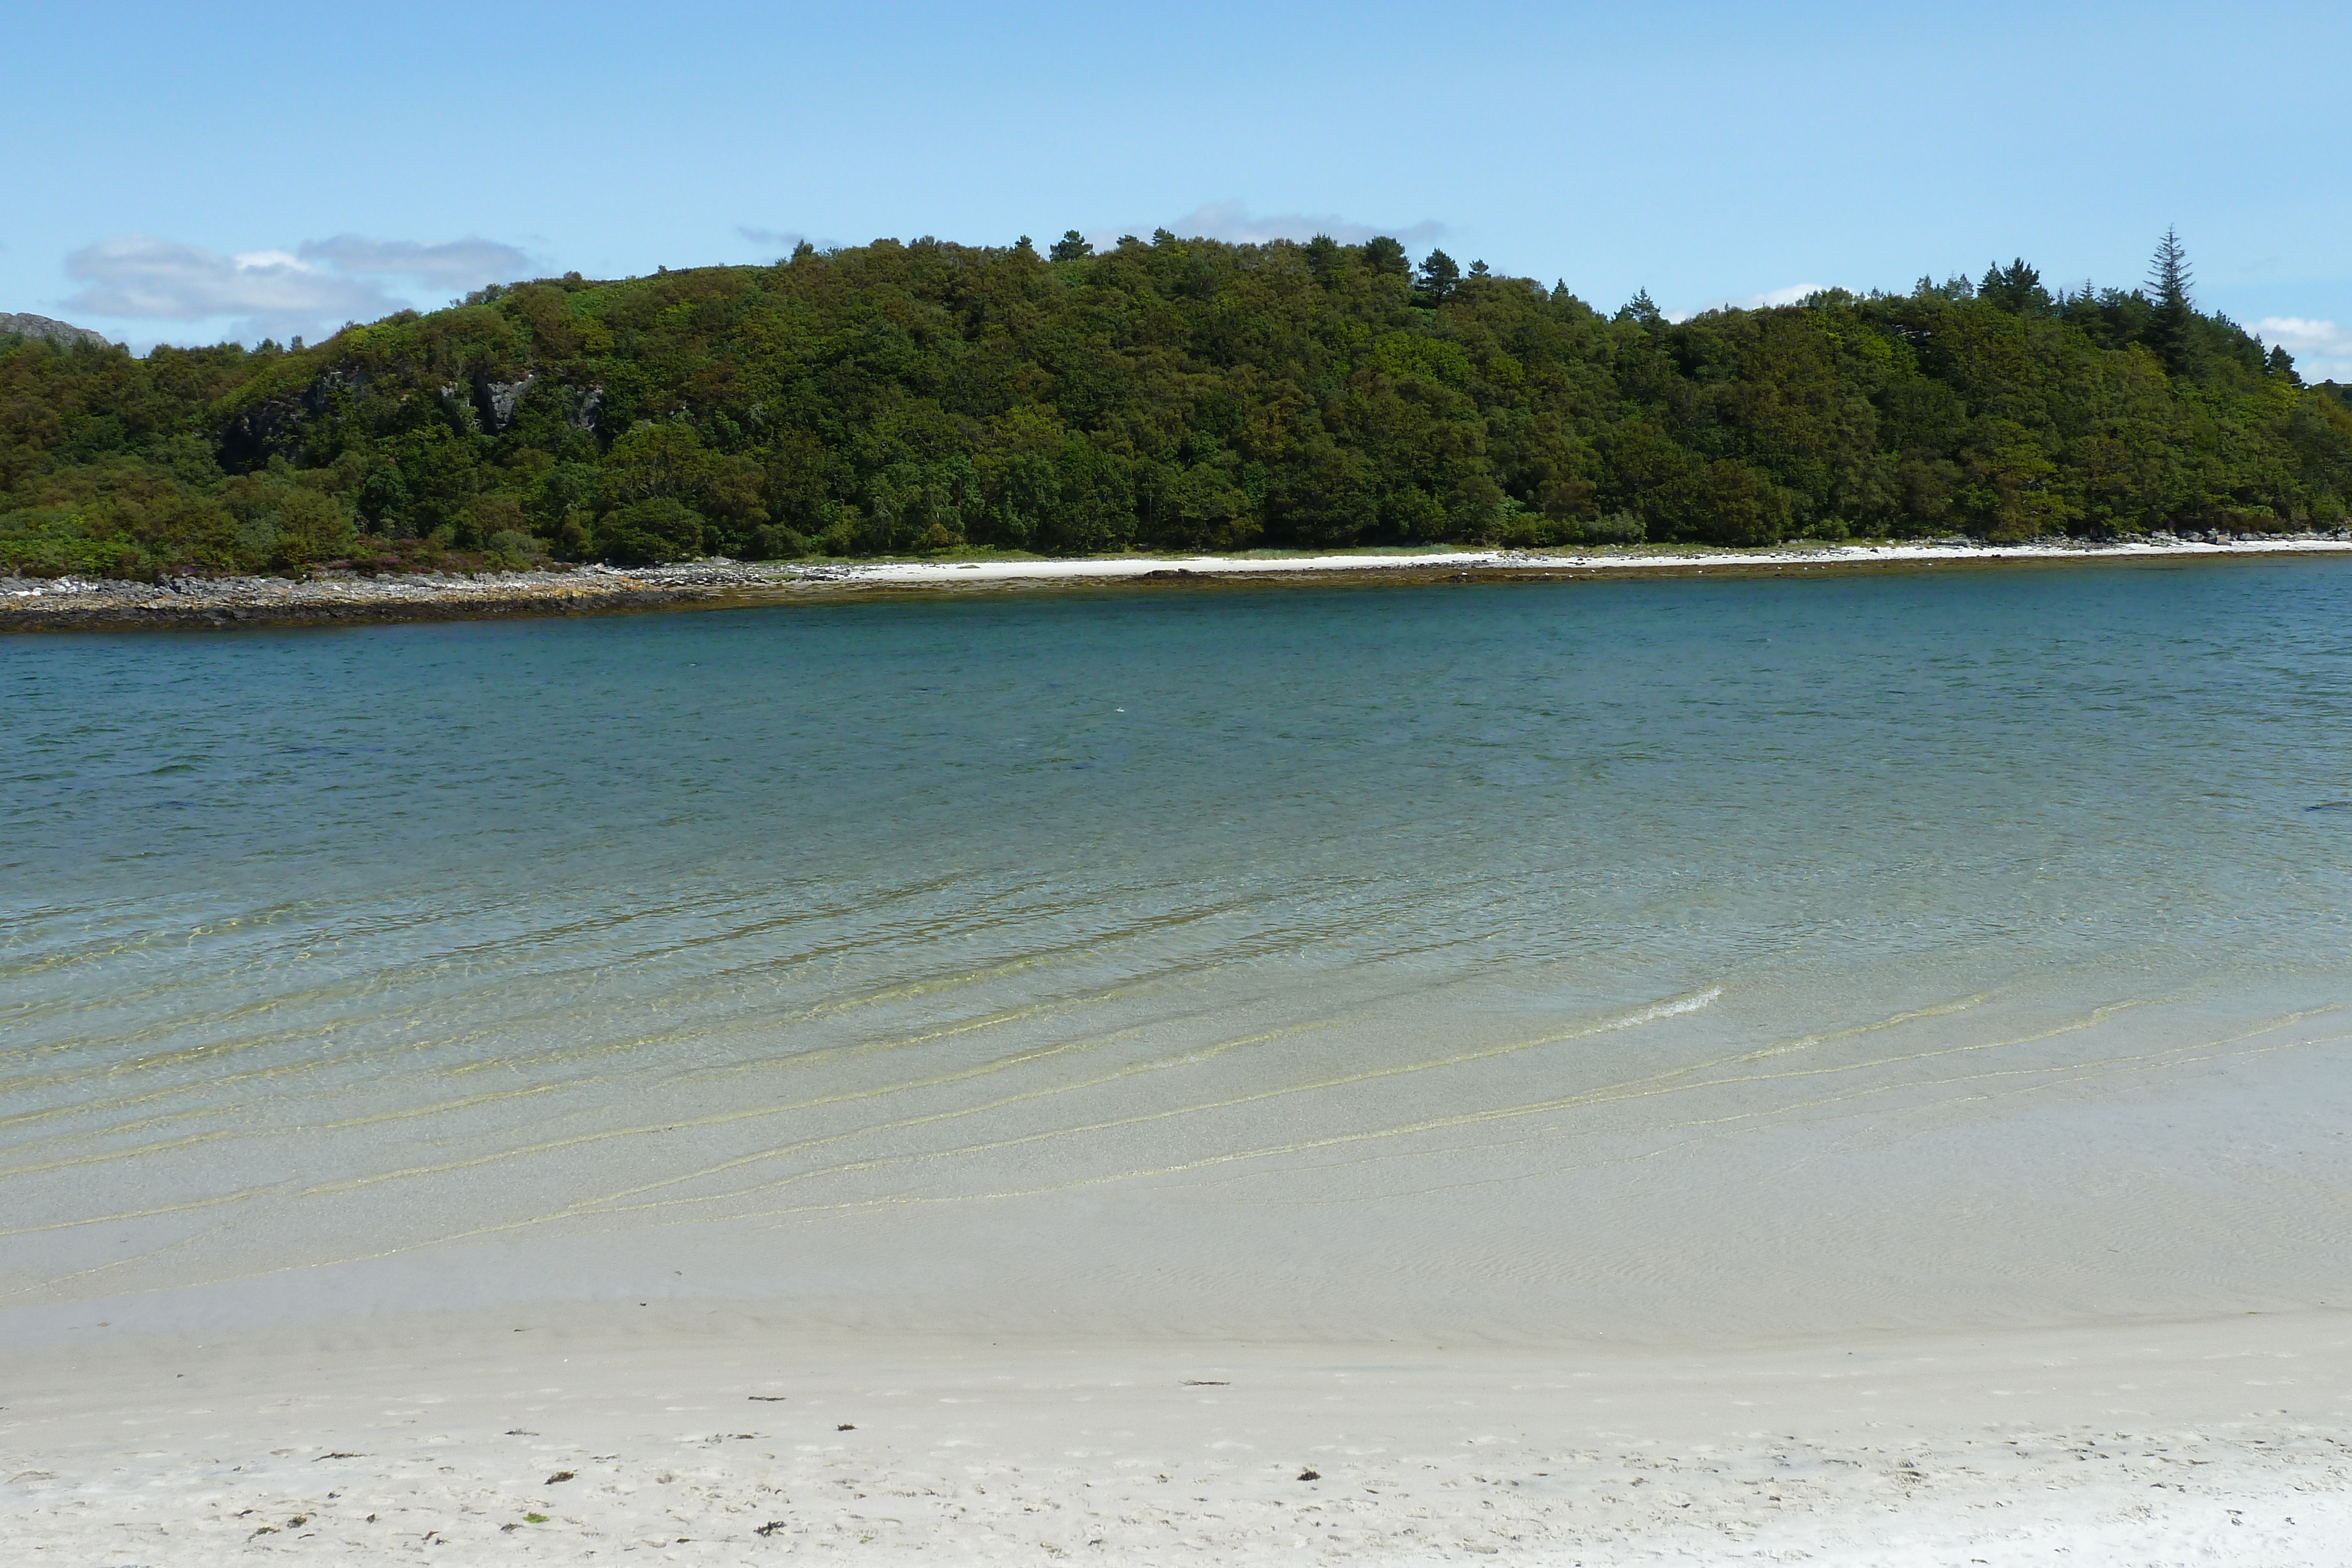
point(1587, 955)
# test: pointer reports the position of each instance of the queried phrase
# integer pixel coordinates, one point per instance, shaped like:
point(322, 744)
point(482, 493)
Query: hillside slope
point(47, 328)
point(1173, 393)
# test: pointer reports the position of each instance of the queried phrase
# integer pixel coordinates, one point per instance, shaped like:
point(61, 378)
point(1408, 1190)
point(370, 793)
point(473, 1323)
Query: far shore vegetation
point(1163, 394)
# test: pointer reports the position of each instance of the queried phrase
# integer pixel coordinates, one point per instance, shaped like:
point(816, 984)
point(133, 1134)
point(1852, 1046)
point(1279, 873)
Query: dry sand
point(725, 1441)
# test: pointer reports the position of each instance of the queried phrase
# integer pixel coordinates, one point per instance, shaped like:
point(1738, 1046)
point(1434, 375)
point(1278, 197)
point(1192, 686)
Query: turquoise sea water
point(1584, 957)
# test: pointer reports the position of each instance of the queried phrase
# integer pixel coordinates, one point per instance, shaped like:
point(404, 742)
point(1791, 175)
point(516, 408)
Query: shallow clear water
point(1572, 958)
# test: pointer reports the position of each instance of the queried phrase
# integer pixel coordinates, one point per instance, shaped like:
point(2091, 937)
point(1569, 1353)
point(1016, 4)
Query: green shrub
point(647, 532)
point(1616, 528)
point(512, 549)
point(773, 541)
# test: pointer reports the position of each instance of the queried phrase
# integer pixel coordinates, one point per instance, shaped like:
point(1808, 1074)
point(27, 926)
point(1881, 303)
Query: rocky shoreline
point(86, 604)
point(29, 604)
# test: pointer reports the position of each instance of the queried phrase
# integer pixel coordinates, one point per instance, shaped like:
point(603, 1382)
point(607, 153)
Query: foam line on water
point(1659, 1012)
point(1783, 1047)
point(2060, 1075)
point(439, 962)
point(235, 1134)
point(750, 1113)
point(1647, 1087)
point(1464, 1119)
point(611, 1201)
point(1133, 987)
point(2064, 1074)
point(573, 1055)
point(1656, 1012)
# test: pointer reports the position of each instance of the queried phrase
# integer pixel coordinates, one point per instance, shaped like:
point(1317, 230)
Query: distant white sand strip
point(342, 596)
point(1557, 560)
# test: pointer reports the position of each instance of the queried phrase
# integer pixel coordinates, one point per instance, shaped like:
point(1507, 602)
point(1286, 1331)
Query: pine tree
point(2016, 288)
point(1386, 257)
point(1643, 310)
point(1322, 257)
point(1440, 275)
point(2167, 287)
point(2167, 273)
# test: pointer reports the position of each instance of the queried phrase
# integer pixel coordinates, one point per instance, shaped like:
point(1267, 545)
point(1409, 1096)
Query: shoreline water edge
point(326, 598)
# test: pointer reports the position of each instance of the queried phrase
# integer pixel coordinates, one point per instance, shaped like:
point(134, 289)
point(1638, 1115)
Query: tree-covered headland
point(1164, 394)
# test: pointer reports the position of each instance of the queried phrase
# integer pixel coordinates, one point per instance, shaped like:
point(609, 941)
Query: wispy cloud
point(459, 264)
point(783, 242)
point(275, 292)
point(2322, 350)
point(1235, 222)
point(140, 276)
point(1796, 293)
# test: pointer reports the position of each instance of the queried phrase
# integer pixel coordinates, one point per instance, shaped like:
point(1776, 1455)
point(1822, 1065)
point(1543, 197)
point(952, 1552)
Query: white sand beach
point(719, 1440)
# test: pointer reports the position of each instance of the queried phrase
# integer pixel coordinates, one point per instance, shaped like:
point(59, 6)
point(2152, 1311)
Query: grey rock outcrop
point(322, 391)
point(64, 334)
point(501, 397)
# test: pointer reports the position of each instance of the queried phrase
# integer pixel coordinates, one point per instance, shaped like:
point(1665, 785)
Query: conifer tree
point(1386, 257)
point(1641, 310)
point(1322, 257)
point(2016, 288)
point(2167, 287)
point(2168, 274)
point(1440, 275)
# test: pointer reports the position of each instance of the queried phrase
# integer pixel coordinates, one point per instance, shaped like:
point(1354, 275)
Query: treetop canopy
point(1176, 393)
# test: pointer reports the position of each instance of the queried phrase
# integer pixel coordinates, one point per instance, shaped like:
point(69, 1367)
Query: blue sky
point(182, 174)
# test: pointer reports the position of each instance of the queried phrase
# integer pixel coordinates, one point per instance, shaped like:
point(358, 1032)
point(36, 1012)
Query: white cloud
point(462, 264)
point(2322, 350)
point(140, 276)
point(273, 292)
point(252, 258)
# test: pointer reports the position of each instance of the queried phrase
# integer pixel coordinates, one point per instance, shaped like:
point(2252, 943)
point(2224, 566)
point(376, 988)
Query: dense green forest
point(1164, 394)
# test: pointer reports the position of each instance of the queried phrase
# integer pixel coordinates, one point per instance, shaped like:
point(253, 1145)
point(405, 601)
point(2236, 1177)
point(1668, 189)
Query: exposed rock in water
point(64, 334)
